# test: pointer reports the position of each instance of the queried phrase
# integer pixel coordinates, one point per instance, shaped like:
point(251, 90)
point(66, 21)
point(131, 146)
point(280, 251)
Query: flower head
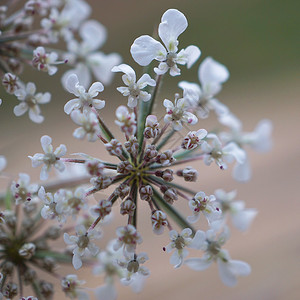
point(145, 48)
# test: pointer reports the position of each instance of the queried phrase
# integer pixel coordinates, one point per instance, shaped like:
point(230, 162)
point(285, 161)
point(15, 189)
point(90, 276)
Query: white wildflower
point(134, 89)
point(145, 48)
point(49, 158)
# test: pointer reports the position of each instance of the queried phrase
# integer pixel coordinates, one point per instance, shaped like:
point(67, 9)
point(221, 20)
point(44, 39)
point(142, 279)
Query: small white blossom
point(178, 113)
point(127, 237)
point(51, 202)
point(49, 158)
point(205, 204)
point(27, 250)
point(10, 82)
point(159, 221)
point(30, 102)
point(45, 62)
point(193, 139)
point(229, 269)
point(86, 58)
point(211, 75)
point(145, 48)
point(216, 152)
point(82, 244)
point(151, 127)
point(85, 99)
point(135, 273)
point(22, 190)
point(134, 89)
point(71, 286)
point(126, 120)
point(89, 125)
point(179, 242)
point(241, 217)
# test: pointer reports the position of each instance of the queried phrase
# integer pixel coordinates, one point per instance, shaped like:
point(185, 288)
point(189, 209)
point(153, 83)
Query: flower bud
point(146, 192)
point(101, 182)
point(189, 174)
point(150, 152)
point(114, 147)
point(122, 190)
point(132, 145)
point(170, 195)
point(27, 250)
point(124, 167)
point(165, 158)
point(127, 207)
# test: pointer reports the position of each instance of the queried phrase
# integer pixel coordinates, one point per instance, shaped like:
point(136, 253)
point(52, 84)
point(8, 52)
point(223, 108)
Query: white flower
point(228, 269)
point(260, 140)
point(193, 139)
point(179, 242)
point(30, 101)
point(10, 82)
point(89, 125)
point(87, 59)
point(43, 61)
point(133, 89)
point(159, 221)
point(51, 203)
point(85, 99)
point(145, 48)
point(22, 190)
point(71, 286)
point(82, 244)
point(216, 152)
point(135, 273)
point(177, 113)
point(206, 205)
point(3, 163)
point(241, 217)
point(211, 75)
point(126, 120)
point(151, 127)
point(62, 23)
point(49, 158)
point(127, 237)
point(72, 202)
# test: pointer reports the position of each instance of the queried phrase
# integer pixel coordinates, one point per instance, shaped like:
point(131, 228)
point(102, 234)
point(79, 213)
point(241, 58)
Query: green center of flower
point(179, 243)
point(49, 158)
point(83, 241)
point(133, 266)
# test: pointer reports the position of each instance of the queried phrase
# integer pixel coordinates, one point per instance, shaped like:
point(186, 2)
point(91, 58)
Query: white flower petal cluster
point(63, 23)
point(259, 139)
point(71, 286)
point(82, 244)
point(241, 217)
point(30, 102)
point(135, 273)
point(22, 190)
point(85, 99)
point(221, 154)
point(126, 120)
point(229, 269)
point(145, 48)
point(134, 88)
point(89, 125)
point(207, 205)
point(128, 237)
point(50, 158)
point(86, 58)
point(177, 113)
point(211, 75)
point(179, 242)
point(45, 62)
point(52, 208)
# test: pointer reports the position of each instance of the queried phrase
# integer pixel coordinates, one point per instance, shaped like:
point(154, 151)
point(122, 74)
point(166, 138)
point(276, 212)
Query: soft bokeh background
point(258, 41)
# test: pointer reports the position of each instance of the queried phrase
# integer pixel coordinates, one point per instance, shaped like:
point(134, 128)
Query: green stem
point(165, 140)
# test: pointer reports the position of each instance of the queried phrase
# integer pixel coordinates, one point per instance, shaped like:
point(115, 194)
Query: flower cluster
point(34, 34)
point(153, 164)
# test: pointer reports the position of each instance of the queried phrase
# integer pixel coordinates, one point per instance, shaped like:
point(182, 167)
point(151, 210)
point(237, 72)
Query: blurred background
point(258, 41)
